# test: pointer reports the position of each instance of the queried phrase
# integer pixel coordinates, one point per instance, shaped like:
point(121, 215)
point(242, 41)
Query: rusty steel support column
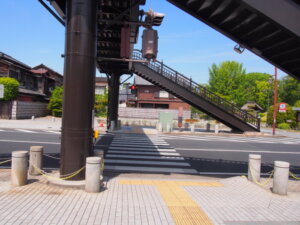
point(113, 100)
point(79, 85)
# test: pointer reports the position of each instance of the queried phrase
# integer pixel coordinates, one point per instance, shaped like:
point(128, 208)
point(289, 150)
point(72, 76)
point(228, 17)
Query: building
point(151, 96)
point(101, 84)
point(36, 83)
point(34, 91)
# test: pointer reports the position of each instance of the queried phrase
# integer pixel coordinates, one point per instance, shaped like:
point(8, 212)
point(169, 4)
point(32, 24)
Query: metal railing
point(197, 89)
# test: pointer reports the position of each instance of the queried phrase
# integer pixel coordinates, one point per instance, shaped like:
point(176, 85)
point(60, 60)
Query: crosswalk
point(242, 139)
point(30, 131)
point(144, 154)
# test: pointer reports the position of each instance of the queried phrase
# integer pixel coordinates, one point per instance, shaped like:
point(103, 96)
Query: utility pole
point(79, 85)
point(275, 101)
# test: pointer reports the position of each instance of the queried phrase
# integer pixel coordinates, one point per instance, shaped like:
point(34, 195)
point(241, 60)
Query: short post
point(216, 128)
point(119, 124)
point(168, 128)
point(112, 125)
point(159, 127)
point(192, 128)
point(281, 177)
point(32, 117)
point(19, 168)
point(35, 159)
point(254, 166)
point(92, 174)
point(99, 153)
point(208, 127)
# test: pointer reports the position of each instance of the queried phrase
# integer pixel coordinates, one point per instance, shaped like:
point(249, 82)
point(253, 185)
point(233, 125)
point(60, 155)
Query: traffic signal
point(133, 89)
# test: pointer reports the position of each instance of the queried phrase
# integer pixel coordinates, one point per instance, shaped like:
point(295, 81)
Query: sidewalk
point(149, 199)
point(41, 123)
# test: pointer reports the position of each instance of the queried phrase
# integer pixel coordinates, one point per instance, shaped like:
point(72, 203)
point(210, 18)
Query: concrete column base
point(36, 159)
point(19, 168)
point(254, 167)
point(281, 177)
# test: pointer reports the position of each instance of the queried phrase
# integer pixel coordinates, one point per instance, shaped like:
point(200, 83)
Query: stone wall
point(25, 110)
point(144, 113)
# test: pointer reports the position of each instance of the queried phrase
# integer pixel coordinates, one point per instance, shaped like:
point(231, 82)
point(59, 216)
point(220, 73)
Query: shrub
point(55, 103)
point(284, 126)
point(11, 88)
point(288, 117)
point(100, 106)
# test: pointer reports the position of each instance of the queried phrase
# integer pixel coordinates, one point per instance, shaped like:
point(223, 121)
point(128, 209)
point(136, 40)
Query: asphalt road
point(204, 154)
point(213, 155)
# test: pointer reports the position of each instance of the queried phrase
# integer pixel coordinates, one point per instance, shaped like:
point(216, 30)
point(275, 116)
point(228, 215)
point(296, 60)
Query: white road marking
point(174, 158)
point(146, 162)
point(142, 149)
point(51, 131)
point(144, 153)
point(151, 169)
point(236, 150)
point(36, 142)
point(26, 131)
point(237, 139)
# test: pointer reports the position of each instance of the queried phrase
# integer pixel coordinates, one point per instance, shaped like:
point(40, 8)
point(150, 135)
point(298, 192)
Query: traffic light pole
point(113, 101)
point(79, 85)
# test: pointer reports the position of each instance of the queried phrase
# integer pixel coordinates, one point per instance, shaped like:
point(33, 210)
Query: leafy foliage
point(55, 103)
point(284, 126)
point(101, 102)
point(287, 117)
point(11, 88)
point(289, 90)
point(230, 81)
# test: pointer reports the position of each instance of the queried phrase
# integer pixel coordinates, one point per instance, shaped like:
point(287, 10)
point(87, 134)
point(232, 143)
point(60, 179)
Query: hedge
point(11, 88)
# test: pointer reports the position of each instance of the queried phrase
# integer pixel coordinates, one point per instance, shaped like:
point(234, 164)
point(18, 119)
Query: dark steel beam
point(79, 85)
point(282, 12)
point(52, 12)
point(113, 99)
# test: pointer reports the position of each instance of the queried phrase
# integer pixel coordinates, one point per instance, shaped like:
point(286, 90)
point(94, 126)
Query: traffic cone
point(101, 123)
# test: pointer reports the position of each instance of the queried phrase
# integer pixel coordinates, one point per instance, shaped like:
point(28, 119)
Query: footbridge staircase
point(194, 94)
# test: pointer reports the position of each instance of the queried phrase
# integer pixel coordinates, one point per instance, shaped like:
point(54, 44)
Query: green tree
point(225, 80)
point(101, 102)
point(55, 103)
point(289, 90)
point(11, 88)
point(257, 88)
point(230, 81)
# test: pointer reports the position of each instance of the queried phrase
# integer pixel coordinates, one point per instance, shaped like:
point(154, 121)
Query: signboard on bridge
point(282, 107)
point(1, 91)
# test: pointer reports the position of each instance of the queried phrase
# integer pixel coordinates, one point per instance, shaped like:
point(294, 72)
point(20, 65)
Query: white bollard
point(53, 119)
point(281, 177)
point(32, 118)
point(19, 168)
point(36, 159)
point(159, 127)
point(208, 127)
point(168, 128)
point(216, 128)
point(92, 174)
point(254, 167)
point(192, 128)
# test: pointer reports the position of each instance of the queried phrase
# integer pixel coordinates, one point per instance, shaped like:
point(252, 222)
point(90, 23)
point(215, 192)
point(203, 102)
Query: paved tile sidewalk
point(126, 202)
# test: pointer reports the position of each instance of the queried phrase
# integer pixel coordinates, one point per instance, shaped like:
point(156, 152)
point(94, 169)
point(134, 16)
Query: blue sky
point(30, 34)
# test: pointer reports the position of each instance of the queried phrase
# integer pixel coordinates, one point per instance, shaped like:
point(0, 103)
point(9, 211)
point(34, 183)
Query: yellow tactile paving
point(183, 209)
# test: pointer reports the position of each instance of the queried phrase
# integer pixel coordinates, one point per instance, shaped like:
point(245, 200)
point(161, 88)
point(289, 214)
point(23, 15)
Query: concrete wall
point(25, 110)
point(143, 113)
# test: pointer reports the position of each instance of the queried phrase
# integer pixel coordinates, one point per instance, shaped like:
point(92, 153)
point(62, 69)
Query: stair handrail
point(198, 89)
